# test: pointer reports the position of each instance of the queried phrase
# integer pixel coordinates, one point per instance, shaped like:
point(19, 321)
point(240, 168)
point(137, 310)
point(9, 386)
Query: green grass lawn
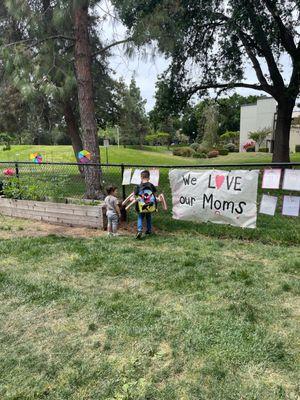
point(115, 155)
point(152, 155)
point(177, 316)
point(200, 311)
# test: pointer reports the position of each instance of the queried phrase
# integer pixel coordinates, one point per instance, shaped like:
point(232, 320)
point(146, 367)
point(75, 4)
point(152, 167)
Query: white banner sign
point(222, 197)
point(268, 204)
point(126, 176)
point(136, 177)
point(271, 178)
point(291, 205)
point(291, 179)
point(154, 176)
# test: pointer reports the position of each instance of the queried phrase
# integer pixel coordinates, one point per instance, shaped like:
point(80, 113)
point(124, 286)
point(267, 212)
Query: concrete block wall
point(57, 213)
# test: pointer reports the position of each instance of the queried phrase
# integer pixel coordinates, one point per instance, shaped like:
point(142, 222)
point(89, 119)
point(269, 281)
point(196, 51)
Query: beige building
point(263, 115)
point(295, 132)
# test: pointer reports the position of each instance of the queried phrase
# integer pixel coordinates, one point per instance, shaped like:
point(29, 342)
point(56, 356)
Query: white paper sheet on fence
point(268, 205)
point(154, 176)
point(136, 177)
point(222, 197)
point(291, 205)
point(271, 178)
point(291, 179)
point(127, 176)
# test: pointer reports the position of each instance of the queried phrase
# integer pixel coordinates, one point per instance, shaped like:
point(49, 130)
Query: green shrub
point(14, 189)
point(230, 136)
point(11, 188)
point(250, 149)
point(195, 146)
point(177, 152)
point(264, 150)
point(7, 147)
point(213, 154)
point(223, 152)
point(203, 149)
point(29, 188)
point(157, 138)
point(184, 152)
point(199, 148)
point(200, 155)
point(230, 147)
point(297, 148)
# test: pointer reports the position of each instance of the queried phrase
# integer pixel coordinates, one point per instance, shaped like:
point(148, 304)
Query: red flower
point(9, 172)
point(249, 143)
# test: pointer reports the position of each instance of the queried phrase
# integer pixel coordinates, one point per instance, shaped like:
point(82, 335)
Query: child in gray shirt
point(112, 210)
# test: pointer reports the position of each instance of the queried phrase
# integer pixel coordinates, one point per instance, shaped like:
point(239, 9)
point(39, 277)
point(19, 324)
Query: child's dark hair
point(111, 189)
point(145, 174)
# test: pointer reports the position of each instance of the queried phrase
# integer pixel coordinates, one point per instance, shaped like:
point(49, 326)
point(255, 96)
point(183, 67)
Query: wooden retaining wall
point(56, 213)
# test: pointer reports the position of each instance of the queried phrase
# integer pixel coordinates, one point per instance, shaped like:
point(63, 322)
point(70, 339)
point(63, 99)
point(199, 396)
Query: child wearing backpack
point(146, 204)
point(112, 210)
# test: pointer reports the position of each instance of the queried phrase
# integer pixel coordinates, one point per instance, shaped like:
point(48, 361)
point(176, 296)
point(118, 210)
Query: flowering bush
point(9, 172)
point(213, 154)
point(250, 143)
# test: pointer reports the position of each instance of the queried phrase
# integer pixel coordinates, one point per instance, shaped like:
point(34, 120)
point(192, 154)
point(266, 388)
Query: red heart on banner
point(219, 180)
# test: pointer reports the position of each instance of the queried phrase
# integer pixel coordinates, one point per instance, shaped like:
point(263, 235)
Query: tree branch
point(39, 41)
point(224, 86)
point(104, 49)
point(254, 60)
point(265, 48)
point(287, 38)
point(263, 45)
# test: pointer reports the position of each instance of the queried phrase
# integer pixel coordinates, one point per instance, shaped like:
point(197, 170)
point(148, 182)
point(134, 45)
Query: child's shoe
point(139, 235)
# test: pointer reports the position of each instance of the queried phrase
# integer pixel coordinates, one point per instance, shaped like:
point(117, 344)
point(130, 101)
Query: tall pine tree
point(133, 121)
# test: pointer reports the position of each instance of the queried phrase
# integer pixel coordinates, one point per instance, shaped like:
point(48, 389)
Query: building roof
point(259, 98)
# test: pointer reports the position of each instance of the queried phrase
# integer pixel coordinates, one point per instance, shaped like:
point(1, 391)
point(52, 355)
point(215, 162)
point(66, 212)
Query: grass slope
point(152, 155)
point(172, 317)
point(115, 155)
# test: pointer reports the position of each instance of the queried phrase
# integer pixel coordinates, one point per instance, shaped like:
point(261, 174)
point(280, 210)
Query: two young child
point(113, 210)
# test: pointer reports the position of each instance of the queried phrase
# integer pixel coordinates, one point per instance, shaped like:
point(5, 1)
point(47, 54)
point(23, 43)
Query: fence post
point(18, 175)
point(123, 211)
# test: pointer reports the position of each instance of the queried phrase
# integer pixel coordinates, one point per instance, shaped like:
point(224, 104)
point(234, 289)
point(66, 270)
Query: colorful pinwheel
point(84, 156)
point(36, 158)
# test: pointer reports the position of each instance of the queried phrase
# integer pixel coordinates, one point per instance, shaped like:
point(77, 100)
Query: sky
point(142, 65)
point(146, 70)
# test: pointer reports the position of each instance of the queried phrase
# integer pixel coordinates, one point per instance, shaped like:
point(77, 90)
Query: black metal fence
point(61, 181)
point(56, 181)
point(64, 182)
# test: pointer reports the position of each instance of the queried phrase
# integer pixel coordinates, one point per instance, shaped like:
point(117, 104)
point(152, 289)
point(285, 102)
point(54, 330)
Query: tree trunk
point(73, 130)
point(86, 101)
point(141, 142)
point(281, 151)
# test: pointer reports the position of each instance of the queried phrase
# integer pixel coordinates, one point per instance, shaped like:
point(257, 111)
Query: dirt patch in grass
point(11, 228)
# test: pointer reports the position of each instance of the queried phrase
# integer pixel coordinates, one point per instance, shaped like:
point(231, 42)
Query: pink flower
point(249, 143)
point(9, 172)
